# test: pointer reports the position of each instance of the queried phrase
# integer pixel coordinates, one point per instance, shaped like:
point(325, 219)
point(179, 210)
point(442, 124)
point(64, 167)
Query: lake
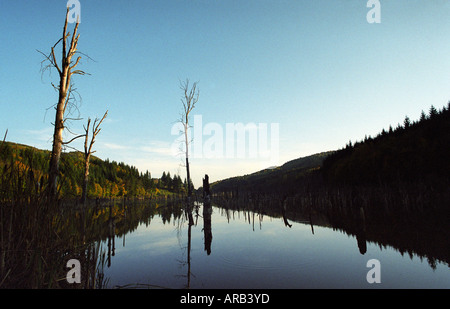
point(219, 248)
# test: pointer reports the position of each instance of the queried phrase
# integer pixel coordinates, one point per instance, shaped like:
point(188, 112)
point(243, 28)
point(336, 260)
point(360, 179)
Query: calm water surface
point(242, 249)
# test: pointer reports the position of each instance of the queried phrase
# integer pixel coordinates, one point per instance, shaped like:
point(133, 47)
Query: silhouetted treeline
point(415, 152)
point(282, 180)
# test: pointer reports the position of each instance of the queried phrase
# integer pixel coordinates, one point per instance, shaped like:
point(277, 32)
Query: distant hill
point(275, 179)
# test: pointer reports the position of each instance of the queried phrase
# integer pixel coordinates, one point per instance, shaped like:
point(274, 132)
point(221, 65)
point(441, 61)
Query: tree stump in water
point(206, 191)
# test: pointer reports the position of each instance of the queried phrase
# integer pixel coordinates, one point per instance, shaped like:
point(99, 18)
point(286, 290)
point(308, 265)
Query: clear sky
point(316, 68)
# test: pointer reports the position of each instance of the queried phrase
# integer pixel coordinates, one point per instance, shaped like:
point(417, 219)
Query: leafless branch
point(73, 148)
point(189, 100)
point(68, 118)
point(65, 143)
point(96, 130)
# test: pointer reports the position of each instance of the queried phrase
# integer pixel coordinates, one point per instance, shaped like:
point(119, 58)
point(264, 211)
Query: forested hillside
point(414, 152)
point(26, 168)
point(284, 179)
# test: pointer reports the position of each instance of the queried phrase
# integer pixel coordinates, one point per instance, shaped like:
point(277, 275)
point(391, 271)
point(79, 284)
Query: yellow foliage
point(115, 190)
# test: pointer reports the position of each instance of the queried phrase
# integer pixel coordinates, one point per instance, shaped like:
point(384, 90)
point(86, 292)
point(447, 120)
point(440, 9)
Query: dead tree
point(88, 150)
point(66, 70)
point(4, 138)
point(189, 100)
point(206, 190)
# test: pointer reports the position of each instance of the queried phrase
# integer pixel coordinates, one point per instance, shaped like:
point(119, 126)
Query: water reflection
point(190, 224)
point(111, 235)
point(426, 236)
point(207, 211)
point(111, 221)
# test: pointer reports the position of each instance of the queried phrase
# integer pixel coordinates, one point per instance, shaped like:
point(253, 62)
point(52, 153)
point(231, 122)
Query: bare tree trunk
point(187, 165)
point(85, 179)
point(88, 151)
point(57, 148)
point(206, 190)
point(189, 100)
point(66, 70)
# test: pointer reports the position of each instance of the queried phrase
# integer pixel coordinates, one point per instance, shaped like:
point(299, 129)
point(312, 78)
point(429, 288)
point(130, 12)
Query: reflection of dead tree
point(189, 251)
point(111, 235)
point(283, 212)
point(66, 70)
point(190, 220)
point(311, 223)
point(88, 150)
point(207, 211)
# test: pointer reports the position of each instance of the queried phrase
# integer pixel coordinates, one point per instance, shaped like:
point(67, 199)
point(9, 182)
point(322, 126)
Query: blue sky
point(317, 68)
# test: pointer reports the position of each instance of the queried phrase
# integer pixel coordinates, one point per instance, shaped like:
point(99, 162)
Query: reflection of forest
point(392, 189)
point(426, 235)
point(128, 215)
point(90, 234)
point(35, 257)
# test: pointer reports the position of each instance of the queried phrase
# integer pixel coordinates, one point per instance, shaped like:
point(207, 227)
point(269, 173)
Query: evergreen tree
point(423, 117)
point(168, 181)
point(163, 180)
point(433, 111)
point(407, 122)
